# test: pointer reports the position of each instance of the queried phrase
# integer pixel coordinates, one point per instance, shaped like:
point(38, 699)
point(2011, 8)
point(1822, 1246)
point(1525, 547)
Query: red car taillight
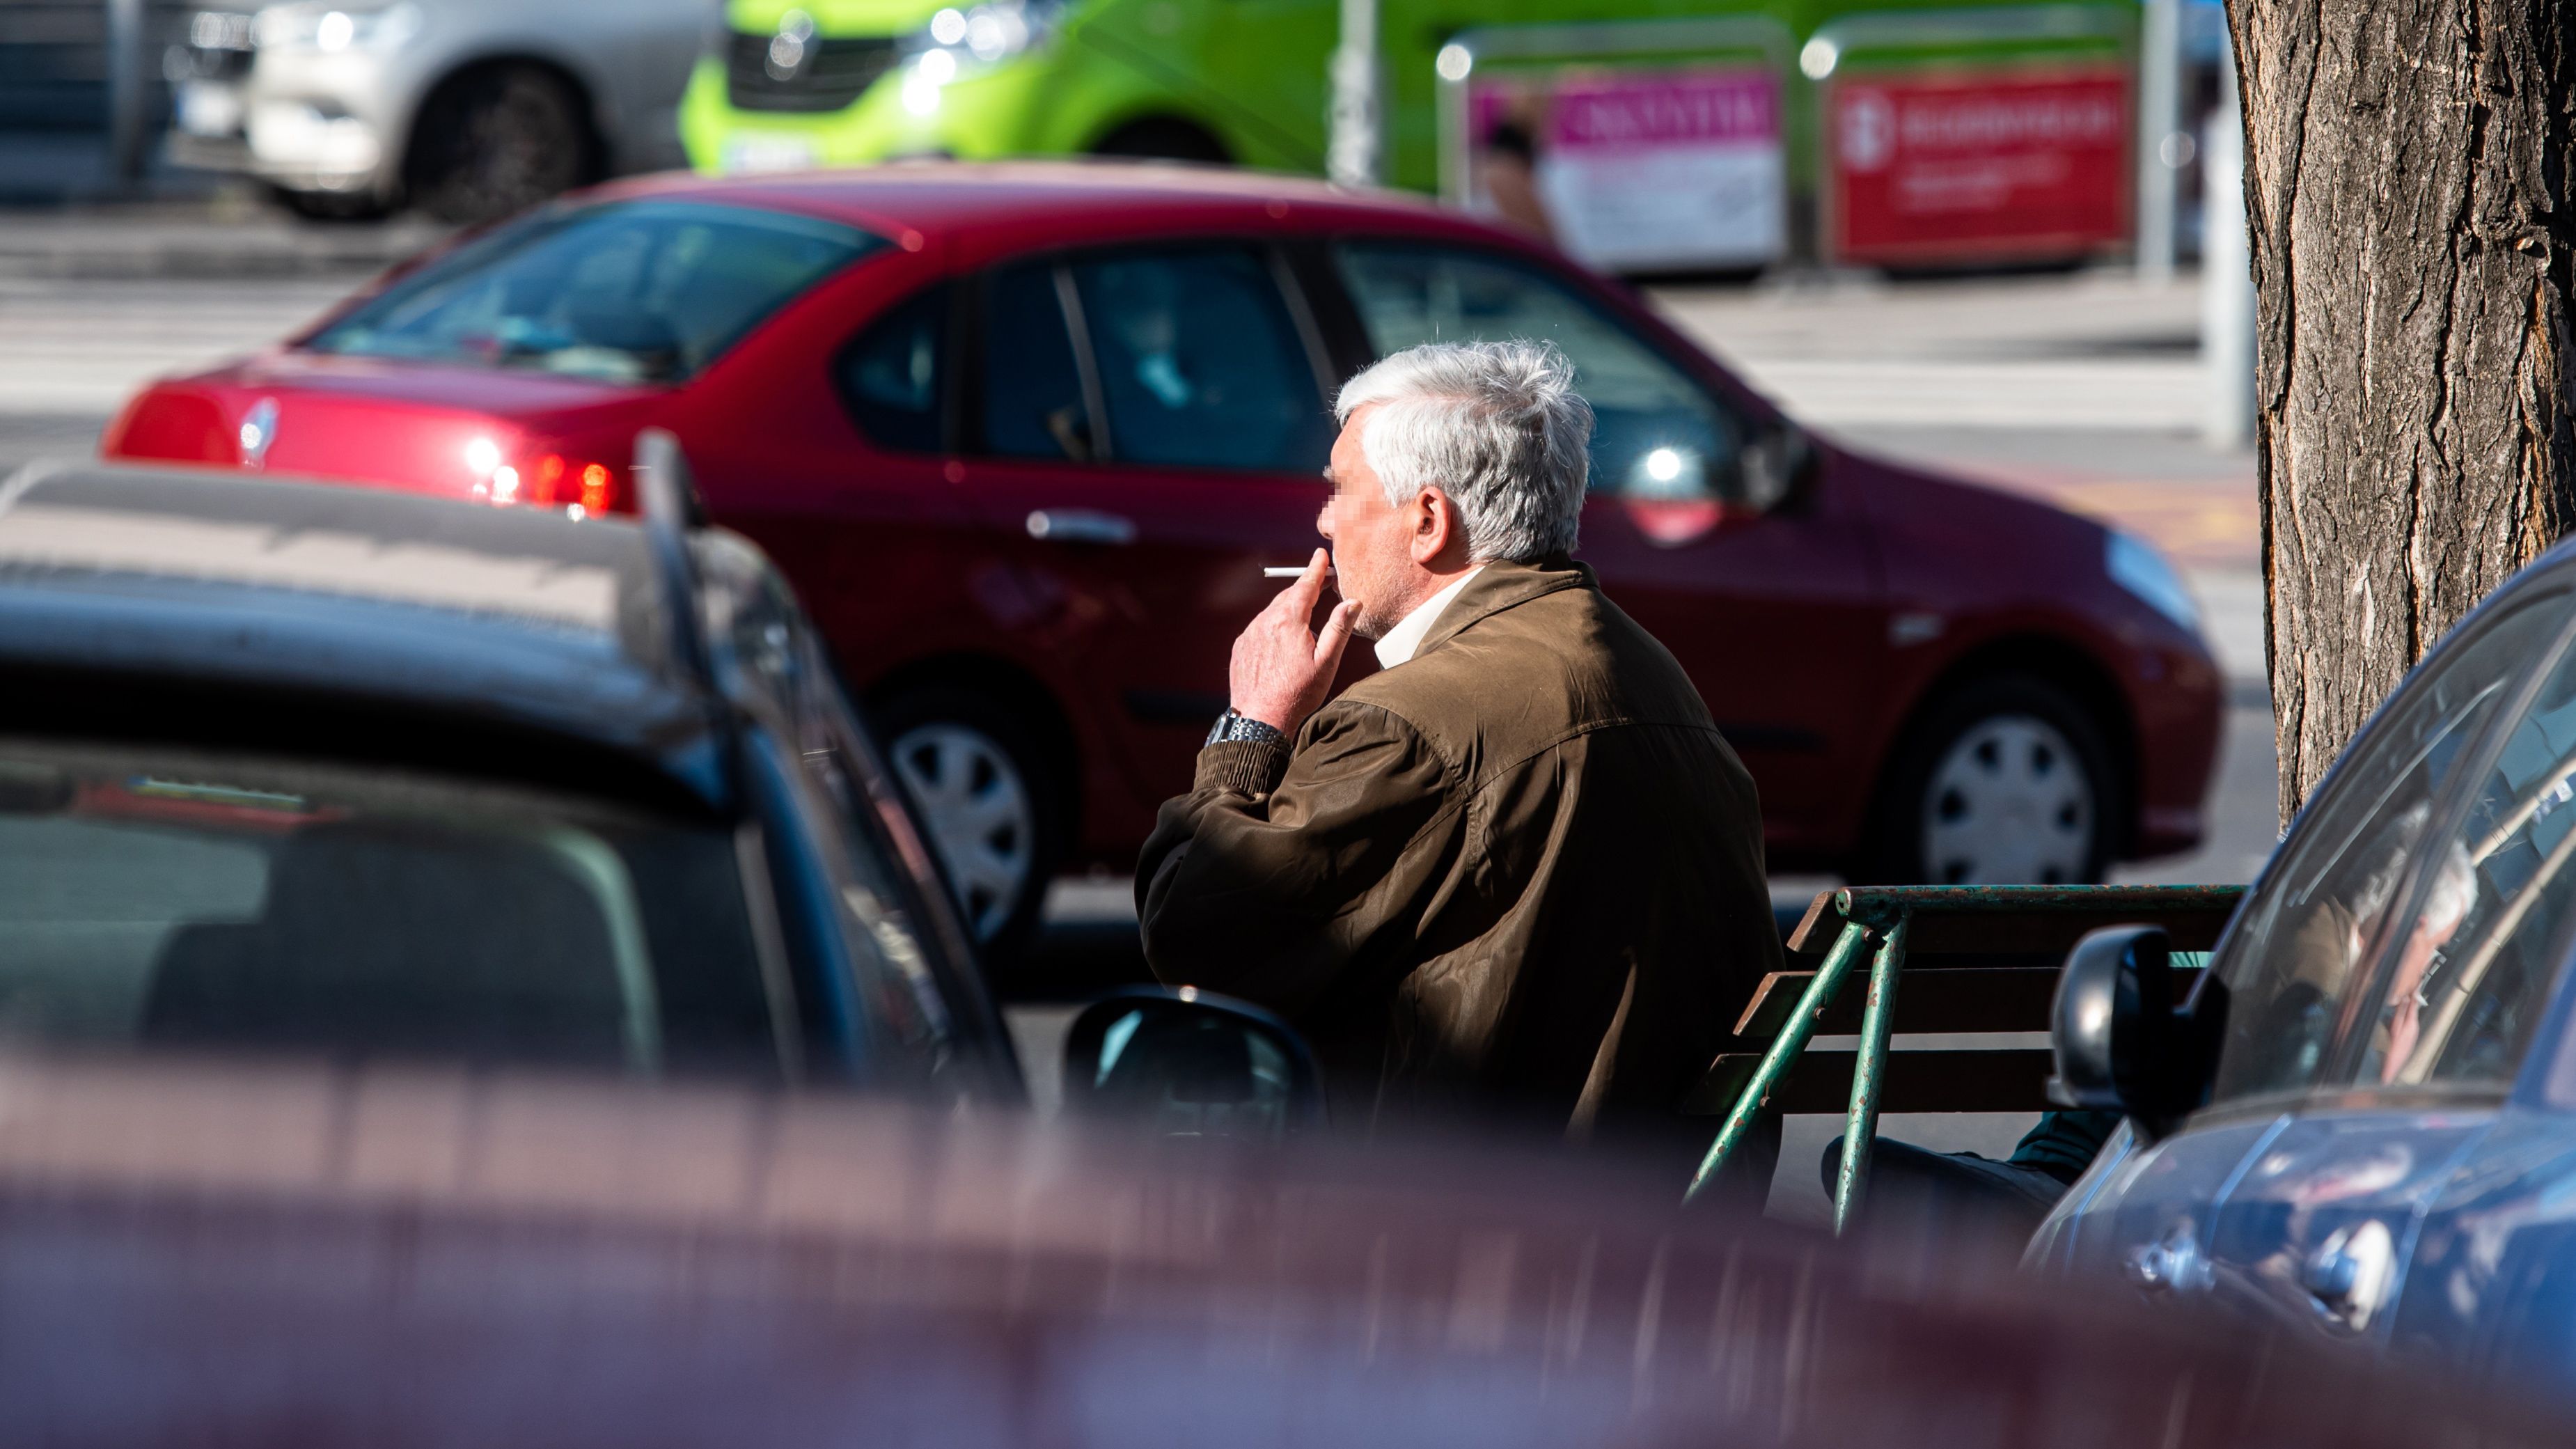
point(163, 423)
point(571, 483)
point(583, 488)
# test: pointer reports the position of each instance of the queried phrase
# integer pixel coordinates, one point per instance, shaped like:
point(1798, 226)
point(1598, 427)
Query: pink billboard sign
point(1608, 114)
point(1634, 169)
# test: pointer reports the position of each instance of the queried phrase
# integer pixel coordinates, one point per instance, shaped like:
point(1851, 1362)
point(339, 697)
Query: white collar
point(1406, 636)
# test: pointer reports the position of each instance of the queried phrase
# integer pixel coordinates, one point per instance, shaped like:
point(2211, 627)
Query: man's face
point(1372, 540)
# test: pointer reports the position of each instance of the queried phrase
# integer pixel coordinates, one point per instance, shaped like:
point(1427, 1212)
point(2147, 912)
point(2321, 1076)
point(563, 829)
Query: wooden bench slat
point(2053, 935)
point(1991, 1080)
point(2032, 920)
point(1818, 927)
point(2011, 999)
point(1952, 935)
point(2016, 998)
point(1958, 961)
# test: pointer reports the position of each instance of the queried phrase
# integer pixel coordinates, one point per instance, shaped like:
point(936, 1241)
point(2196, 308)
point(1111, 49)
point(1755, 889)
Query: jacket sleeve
point(1273, 876)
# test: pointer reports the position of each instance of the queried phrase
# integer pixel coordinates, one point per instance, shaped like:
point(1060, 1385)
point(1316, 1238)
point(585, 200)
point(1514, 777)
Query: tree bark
point(2406, 191)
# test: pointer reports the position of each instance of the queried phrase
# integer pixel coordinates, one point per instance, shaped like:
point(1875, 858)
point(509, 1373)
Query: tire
point(496, 141)
point(331, 205)
point(1162, 138)
point(2004, 780)
point(991, 802)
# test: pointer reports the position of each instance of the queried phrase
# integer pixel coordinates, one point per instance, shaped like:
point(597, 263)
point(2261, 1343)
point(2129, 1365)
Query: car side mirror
point(1188, 1063)
point(1777, 465)
point(2120, 1042)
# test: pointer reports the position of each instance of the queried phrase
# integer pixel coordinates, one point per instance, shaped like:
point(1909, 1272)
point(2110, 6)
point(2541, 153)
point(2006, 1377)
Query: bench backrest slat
point(1952, 920)
point(2005, 1079)
point(1966, 998)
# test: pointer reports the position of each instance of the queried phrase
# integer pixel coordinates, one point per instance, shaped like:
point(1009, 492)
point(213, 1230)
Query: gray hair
point(2452, 893)
point(1495, 425)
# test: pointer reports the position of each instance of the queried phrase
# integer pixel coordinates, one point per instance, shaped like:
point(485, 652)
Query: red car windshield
point(641, 291)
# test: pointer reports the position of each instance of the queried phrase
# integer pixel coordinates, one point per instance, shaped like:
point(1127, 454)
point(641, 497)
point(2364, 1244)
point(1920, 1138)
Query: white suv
point(469, 109)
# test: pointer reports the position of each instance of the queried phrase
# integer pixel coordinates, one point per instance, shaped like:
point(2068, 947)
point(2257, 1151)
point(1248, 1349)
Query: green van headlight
point(986, 33)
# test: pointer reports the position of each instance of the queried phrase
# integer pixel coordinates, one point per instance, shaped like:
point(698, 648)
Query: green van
point(1737, 97)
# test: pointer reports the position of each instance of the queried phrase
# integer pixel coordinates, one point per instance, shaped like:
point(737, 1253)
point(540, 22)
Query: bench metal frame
point(1995, 918)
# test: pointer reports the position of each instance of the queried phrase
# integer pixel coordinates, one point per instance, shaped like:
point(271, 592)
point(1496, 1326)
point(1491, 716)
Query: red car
point(1025, 435)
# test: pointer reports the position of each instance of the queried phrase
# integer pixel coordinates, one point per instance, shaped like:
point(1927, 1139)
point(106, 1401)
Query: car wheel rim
point(2010, 803)
point(976, 805)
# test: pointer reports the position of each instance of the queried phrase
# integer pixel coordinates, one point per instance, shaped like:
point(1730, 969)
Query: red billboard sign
point(1966, 167)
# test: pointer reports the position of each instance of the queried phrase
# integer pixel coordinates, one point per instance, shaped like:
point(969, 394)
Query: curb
point(116, 249)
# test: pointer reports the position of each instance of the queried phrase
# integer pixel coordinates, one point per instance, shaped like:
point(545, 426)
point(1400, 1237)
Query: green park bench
point(1943, 959)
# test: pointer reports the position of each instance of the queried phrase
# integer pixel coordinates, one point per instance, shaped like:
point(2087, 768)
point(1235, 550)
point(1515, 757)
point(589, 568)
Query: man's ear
point(1435, 520)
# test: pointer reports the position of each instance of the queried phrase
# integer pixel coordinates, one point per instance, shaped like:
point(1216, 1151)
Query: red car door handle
point(1080, 525)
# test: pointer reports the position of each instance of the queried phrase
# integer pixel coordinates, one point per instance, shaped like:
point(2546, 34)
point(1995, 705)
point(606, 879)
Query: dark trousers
point(1907, 1179)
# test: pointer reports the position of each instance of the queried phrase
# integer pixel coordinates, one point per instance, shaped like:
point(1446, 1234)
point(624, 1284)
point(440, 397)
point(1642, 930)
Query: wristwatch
point(1231, 726)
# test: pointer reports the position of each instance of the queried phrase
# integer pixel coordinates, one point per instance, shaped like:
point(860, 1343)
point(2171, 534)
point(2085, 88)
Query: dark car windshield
point(638, 291)
point(158, 897)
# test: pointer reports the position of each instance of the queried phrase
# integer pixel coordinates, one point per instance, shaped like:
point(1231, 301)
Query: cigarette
point(1298, 572)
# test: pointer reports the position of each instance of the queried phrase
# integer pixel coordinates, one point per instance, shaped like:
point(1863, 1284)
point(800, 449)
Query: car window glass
point(894, 378)
point(1657, 435)
point(2465, 980)
point(901, 983)
point(625, 291)
point(2290, 961)
point(908, 973)
point(1032, 395)
point(166, 899)
point(1200, 363)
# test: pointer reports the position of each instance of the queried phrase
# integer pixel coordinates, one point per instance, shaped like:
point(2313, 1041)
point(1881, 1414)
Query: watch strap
point(1234, 728)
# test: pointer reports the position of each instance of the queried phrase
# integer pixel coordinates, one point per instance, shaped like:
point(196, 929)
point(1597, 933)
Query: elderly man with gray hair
point(1516, 874)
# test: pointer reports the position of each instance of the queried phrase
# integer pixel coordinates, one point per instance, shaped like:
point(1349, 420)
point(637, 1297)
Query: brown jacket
point(1521, 871)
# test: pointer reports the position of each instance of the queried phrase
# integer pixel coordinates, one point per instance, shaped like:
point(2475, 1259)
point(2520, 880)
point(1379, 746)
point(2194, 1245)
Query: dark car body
point(2387, 1148)
point(299, 1258)
point(282, 766)
point(1830, 606)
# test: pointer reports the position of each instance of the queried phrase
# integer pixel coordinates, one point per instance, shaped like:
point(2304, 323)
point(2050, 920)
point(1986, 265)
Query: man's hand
point(1281, 666)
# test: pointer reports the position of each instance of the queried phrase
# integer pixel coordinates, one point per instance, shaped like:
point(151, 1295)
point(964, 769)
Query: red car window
point(1034, 402)
point(1658, 436)
point(1200, 363)
point(626, 291)
point(894, 378)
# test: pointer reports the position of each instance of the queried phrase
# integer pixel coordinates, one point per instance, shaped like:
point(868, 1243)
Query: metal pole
point(2160, 137)
point(1869, 1072)
point(1351, 155)
point(1782, 1053)
point(125, 90)
point(2226, 273)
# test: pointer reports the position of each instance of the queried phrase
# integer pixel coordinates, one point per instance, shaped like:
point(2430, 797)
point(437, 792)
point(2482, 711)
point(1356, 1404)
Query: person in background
point(1515, 876)
point(1508, 167)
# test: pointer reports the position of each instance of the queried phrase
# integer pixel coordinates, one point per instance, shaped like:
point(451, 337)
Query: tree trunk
point(2406, 190)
